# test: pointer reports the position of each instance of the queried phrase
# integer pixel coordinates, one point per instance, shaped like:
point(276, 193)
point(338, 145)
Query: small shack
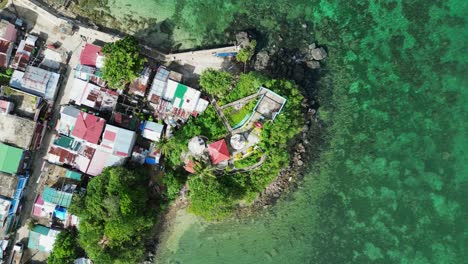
point(152, 131)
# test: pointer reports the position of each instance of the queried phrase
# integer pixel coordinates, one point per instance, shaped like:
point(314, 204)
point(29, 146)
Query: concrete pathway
point(242, 100)
point(202, 59)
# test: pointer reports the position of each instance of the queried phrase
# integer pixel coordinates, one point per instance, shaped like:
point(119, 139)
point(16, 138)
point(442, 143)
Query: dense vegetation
point(116, 215)
point(66, 248)
point(213, 197)
point(235, 116)
point(123, 62)
point(216, 83)
point(246, 84)
point(253, 158)
point(394, 101)
point(208, 124)
point(246, 53)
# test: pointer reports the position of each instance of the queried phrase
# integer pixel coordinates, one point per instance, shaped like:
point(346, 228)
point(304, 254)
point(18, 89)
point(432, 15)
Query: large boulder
point(313, 64)
point(242, 39)
point(319, 54)
point(261, 60)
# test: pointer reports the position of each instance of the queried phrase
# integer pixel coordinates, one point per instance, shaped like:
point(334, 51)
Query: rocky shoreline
point(291, 176)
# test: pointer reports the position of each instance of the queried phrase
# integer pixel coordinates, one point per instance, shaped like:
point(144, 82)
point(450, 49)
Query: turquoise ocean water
point(391, 185)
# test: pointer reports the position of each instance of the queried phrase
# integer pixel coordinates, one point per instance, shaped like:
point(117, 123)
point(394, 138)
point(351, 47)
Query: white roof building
point(36, 81)
point(5, 205)
point(68, 116)
point(31, 40)
point(152, 131)
point(86, 93)
point(173, 100)
point(118, 141)
point(197, 145)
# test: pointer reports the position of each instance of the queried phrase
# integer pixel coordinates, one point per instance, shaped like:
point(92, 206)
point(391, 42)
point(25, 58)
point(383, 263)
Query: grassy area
point(235, 116)
point(246, 85)
point(250, 160)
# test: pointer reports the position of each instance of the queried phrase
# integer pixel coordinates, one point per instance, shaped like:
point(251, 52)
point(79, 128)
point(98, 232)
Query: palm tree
point(164, 145)
point(204, 170)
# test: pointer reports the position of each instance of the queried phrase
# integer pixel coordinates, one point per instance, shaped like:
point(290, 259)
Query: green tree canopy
point(115, 215)
point(209, 198)
point(66, 248)
point(174, 181)
point(216, 83)
point(246, 53)
point(123, 62)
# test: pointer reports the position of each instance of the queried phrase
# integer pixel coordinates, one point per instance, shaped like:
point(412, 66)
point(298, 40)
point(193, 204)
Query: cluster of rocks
point(261, 60)
point(242, 39)
point(312, 55)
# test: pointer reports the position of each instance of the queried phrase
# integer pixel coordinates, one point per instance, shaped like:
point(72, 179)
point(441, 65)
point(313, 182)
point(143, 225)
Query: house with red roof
point(190, 166)
point(91, 55)
point(218, 151)
point(88, 127)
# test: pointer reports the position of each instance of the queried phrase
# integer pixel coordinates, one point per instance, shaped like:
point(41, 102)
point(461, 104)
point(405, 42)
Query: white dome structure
point(238, 141)
point(197, 146)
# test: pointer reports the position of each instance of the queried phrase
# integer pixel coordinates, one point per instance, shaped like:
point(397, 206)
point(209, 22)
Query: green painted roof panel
point(40, 229)
point(73, 175)
point(179, 93)
point(51, 195)
point(10, 158)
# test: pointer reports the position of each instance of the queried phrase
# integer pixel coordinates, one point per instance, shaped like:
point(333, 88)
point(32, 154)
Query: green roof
point(67, 142)
point(34, 241)
point(41, 230)
point(73, 175)
point(179, 93)
point(51, 195)
point(10, 158)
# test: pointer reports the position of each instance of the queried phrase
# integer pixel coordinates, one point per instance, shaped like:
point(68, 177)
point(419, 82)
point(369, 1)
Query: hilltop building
point(218, 151)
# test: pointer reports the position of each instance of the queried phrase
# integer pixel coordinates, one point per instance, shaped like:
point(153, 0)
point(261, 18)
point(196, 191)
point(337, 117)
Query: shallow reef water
point(390, 185)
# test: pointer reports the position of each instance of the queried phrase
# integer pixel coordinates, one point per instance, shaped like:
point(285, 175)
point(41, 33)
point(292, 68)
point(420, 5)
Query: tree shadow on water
point(158, 35)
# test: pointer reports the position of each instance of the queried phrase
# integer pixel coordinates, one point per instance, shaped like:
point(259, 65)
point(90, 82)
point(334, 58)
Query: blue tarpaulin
point(150, 160)
point(60, 213)
point(225, 54)
point(18, 194)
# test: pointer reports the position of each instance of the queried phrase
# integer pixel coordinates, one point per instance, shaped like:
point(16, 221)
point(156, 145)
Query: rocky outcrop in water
point(261, 60)
point(242, 39)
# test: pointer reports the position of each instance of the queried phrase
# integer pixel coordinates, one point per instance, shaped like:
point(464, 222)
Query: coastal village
point(62, 124)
